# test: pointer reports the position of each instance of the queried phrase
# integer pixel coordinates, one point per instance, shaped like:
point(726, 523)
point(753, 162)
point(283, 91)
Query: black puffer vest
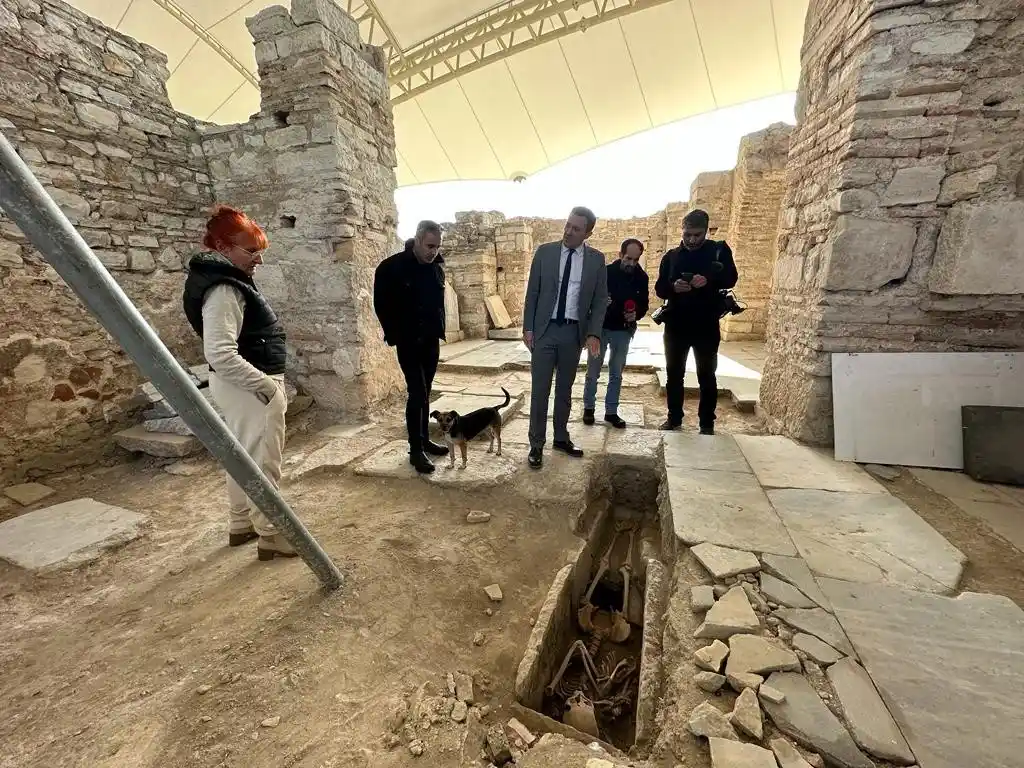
point(261, 341)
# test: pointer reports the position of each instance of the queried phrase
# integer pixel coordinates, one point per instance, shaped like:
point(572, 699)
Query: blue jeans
point(619, 342)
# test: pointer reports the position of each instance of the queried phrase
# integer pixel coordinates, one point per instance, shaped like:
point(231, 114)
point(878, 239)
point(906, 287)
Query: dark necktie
point(563, 289)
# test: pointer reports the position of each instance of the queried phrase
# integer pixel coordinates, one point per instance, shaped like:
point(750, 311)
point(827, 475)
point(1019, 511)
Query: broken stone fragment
point(749, 653)
point(816, 650)
point(706, 720)
point(774, 695)
point(701, 598)
point(459, 712)
point(735, 754)
point(719, 590)
point(787, 754)
point(493, 592)
point(710, 657)
point(497, 745)
point(271, 722)
point(729, 616)
point(478, 638)
point(778, 591)
point(416, 747)
point(476, 516)
point(740, 681)
point(521, 732)
point(464, 687)
point(174, 425)
point(817, 622)
point(757, 602)
point(795, 571)
point(722, 562)
point(871, 725)
point(746, 715)
point(804, 717)
point(711, 682)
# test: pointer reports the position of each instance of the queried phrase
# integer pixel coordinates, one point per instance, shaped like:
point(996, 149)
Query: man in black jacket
point(408, 297)
point(690, 279)
point(627, 302)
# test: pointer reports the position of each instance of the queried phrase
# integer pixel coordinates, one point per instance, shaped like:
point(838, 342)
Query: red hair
point(227, 223)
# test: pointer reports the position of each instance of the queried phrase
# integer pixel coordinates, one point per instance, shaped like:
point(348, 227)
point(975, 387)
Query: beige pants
point(260, 430)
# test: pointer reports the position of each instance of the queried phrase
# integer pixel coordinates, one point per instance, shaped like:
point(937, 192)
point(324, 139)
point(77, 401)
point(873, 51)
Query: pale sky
point(635, 176)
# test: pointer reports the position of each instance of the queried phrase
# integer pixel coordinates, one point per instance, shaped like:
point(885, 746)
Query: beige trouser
point(260, 430)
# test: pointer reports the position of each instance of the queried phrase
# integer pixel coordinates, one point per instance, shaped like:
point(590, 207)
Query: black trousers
point(704, 342)
point(418, 361)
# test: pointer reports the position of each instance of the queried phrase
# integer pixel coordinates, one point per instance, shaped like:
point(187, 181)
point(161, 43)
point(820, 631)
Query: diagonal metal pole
point(23, 198)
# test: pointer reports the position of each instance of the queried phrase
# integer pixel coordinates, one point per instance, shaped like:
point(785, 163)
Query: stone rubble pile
point(162, 433)
point(775, 643)
point(425, 720)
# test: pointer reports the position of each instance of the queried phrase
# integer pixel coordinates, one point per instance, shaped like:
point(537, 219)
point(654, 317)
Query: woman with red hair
point(244, 343)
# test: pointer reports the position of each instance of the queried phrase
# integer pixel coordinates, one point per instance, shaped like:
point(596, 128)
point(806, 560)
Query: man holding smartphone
point(690, 279)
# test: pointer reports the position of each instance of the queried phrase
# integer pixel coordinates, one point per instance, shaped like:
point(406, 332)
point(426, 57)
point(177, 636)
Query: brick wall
point(903, 224)
point(87, 109)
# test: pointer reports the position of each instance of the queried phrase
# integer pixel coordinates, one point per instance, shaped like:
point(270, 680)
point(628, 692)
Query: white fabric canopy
point(520, 113)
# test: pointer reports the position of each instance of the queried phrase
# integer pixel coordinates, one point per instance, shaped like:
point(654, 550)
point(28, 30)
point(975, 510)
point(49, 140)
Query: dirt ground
point(173, 650)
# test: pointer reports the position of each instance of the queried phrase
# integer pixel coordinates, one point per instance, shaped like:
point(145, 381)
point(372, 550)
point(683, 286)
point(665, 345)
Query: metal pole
point(36, 214)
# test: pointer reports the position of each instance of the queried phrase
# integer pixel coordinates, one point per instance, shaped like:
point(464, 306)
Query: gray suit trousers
point(556, 353)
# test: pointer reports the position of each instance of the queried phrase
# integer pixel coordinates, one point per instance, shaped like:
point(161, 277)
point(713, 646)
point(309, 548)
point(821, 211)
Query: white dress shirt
point(572, 297)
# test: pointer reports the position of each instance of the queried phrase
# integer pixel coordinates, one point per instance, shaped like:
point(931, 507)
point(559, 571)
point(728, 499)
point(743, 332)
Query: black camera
point(729, 305)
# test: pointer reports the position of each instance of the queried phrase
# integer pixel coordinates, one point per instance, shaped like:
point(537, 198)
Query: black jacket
point(699, 306)
point(624, 286)
point(408, 298)
point(261, 341)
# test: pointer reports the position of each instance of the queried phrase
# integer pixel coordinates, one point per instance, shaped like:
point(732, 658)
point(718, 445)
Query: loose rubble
point(701, 598)
point(706, 720)
point(493, 593)
point(476, 516)
point(734, 754)
point(722, 562)
point(746, 715)
point(729, 616)
point(711, 682)
point(817, 622)
point(710, 657)
point(787, 755)
point(816, 650)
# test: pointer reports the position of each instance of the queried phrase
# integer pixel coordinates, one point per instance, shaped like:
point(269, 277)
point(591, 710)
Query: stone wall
point(712, 192)
point(513, 243)
point(758, 185)
point(471, 266)
point(903, 224)
point(316, 166)
point(87, 109)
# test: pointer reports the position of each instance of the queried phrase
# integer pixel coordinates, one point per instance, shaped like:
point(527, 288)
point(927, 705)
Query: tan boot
point(270, 547)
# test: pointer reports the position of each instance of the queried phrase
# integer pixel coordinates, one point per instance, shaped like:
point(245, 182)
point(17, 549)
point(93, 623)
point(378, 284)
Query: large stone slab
point(992, 443)
point(726, 753)
point(817, 622)
point(459, 348)
point(868, 538)
point(686, 450)
point(778, 591)
point(872, 726)
point(66, 534)
point(795, 571)
point(722, 562)
point(160, 444)
point(750, 653)
point(725, 508)
point(980, 249)
point(482, 470)
point(336, 455)
point(780, 462)
point(804, 716)
point(497, 312)
point(951, 670)
point(489, 356)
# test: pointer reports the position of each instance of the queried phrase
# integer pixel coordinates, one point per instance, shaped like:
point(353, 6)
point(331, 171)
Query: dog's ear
point(453, 415)
point(435, 414)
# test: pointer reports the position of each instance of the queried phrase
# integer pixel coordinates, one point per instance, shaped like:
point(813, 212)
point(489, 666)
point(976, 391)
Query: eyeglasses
point(254, 254)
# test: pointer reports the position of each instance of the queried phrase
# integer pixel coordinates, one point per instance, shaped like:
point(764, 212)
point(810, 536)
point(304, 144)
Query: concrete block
point(992, 439)
point(66, 534)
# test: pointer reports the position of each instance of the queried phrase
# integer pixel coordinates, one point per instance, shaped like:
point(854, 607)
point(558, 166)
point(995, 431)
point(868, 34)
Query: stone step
point(744, 391)
point(505, 334)
point(160, 444)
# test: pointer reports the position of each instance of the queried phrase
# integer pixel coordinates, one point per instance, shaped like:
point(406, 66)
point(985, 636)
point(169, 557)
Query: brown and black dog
point(460, 429)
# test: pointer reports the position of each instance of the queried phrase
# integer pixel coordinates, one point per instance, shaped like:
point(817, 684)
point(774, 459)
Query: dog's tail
point(508, 398)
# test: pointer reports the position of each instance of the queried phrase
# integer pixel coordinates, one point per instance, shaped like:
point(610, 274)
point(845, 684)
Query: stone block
point(497, 312)
point(328, 13)
point(992, 439)
point(980, 250)
point(865, 254)
point(66, 534)
point(137, 439)
point(27, 494)
point(914, 185)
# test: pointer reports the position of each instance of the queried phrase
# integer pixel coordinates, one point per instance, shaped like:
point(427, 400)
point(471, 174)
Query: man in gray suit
point(566, 298)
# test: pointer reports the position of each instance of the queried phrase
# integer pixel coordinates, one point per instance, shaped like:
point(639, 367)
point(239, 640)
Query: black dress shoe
point(434, 449)
point(536, 458)
point(615, 420)
point(566, 447)
point(707, 429)
point(588, 416)
point(669, 426)
point(421, 463)
point(238, 539)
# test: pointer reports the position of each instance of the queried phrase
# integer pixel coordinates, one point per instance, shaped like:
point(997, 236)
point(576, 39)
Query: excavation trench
point(591, 669)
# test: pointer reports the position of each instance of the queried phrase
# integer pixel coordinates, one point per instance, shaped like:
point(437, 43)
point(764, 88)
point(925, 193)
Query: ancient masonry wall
point(317, 166)
point(903, 224)
point(87, 109)
point(759, 183)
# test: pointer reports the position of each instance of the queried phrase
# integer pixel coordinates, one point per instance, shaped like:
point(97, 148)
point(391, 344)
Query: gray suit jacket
point(542, 291)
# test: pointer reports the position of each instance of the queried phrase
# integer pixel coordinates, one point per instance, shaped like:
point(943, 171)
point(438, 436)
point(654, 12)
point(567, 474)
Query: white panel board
point(904, 407)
